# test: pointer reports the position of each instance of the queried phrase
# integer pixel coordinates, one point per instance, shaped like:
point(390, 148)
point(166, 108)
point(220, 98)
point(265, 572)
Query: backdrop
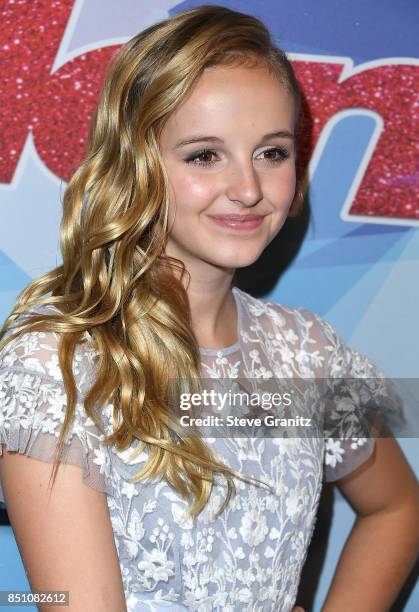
point(352, 257)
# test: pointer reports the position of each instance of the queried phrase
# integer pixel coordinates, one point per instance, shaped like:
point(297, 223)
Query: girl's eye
point(198, 159)
point(282, 154)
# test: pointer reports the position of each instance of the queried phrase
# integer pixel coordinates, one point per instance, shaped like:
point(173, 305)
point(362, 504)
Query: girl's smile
point(242, 223)
point(232, 180)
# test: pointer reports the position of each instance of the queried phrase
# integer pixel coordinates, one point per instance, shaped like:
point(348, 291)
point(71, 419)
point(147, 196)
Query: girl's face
point(241, 164)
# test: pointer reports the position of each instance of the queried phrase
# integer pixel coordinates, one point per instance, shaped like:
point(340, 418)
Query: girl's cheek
point(200, 190)
point(184, 184)
point(285, 186)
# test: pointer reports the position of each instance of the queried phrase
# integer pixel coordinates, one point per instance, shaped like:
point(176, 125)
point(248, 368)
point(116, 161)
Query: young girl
point(190, 173)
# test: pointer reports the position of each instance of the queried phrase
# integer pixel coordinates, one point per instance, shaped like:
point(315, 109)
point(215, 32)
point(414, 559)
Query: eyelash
point(193, 158)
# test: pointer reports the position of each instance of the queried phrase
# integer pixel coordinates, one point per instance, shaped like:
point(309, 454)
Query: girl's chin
point(220, 255)
point(236, 261)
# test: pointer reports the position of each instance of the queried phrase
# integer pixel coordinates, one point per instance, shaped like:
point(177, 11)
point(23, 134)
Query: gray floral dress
point(250, 557)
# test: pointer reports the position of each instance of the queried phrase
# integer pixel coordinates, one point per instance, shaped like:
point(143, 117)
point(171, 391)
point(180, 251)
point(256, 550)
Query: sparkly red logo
point(56, 107)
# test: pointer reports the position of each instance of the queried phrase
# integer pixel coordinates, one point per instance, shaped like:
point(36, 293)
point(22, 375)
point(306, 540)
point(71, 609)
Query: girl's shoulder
point(36, 352)
point(307, 335)
point(33, 401)
point(294, 323)
point(304, 344)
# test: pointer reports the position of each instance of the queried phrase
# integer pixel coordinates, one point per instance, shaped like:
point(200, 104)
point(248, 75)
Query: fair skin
point(53, 531)
point(245, 178)
point(239, 105)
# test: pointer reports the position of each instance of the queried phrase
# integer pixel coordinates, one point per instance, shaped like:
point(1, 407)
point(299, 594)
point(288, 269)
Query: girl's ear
point(298, 201)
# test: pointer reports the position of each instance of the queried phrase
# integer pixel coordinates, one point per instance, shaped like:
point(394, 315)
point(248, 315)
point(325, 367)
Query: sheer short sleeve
point(358, 401)
point(33, 404)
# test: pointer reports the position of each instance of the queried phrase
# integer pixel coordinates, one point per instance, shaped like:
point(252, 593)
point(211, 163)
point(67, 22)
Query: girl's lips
point(238, 222)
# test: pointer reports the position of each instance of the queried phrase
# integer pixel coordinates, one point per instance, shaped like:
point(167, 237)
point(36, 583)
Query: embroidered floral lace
point(251, 557)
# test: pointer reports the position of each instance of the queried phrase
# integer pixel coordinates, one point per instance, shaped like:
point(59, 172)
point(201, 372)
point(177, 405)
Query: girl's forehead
point(228, 96)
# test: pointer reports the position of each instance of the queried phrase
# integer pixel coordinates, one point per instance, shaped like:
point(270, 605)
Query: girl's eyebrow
point(203, 138)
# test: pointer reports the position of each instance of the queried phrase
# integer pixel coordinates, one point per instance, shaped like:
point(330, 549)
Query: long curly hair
point(115, 282)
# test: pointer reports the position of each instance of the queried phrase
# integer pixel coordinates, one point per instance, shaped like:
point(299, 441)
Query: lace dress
point(251, 556)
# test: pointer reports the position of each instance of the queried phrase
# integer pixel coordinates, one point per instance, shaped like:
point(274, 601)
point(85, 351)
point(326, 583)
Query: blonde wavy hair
point(116, 283)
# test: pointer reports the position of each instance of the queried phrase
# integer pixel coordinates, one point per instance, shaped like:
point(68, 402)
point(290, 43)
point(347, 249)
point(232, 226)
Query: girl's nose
point(244, 185)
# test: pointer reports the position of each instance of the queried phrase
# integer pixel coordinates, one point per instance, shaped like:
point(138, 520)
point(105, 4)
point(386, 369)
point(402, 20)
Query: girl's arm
point(384, 541)
point(65, 539)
